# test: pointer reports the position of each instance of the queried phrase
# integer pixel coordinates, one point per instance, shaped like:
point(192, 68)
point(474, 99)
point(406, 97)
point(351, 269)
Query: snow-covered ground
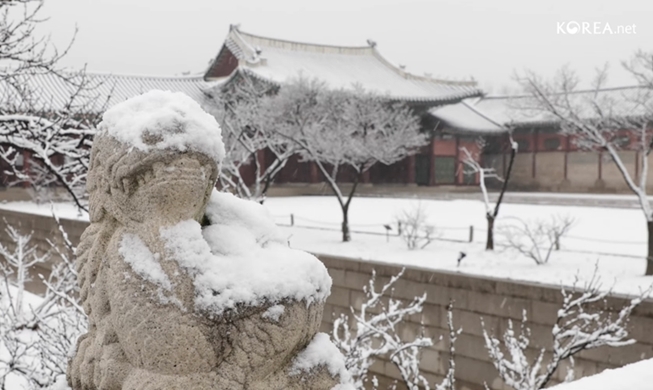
point(613, 238)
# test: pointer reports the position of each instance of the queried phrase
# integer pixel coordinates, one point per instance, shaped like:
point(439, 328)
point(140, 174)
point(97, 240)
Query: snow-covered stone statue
point(187, 288)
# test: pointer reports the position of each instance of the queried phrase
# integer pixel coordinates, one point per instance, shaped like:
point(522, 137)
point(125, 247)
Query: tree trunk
point(346, 235)
point(489, 245)
point(649, 256)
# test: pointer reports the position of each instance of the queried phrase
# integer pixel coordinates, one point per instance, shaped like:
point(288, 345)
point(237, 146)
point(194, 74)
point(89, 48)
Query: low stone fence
point(495, 301)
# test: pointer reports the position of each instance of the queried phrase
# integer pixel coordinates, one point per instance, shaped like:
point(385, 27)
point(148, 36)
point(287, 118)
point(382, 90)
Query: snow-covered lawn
point(615, 239)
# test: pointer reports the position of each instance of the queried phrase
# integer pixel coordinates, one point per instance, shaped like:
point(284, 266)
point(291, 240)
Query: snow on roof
point(279, 61)
point(465, 117)
point(495, 114)
point(517, 110)
point(630, 377)
point(52, 93)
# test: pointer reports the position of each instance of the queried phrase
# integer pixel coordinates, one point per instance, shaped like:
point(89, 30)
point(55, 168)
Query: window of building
point(552, 144)
point(524, 145)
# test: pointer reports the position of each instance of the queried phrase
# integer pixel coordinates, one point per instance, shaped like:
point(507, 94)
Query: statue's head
point(155, 156)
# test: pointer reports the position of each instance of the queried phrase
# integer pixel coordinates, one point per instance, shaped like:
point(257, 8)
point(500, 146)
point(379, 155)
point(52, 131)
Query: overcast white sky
point(456, 39)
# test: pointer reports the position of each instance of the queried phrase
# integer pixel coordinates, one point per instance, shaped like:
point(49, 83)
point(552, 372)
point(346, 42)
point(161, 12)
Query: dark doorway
point(422, 171)
point(445, 170)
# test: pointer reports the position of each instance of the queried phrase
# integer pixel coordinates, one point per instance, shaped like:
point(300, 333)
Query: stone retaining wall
point(495, 301)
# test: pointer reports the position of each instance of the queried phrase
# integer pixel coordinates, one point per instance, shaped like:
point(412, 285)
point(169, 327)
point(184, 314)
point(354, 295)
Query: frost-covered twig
point(414, 228)
point(37, 333)
point(42, 144)
point(581, 325)
point(247, 137)
point(449, 381)
point(376, 336)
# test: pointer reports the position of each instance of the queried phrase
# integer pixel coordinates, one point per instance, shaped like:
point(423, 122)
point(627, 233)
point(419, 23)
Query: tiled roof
point(497, 113)
point(103, 90)
point(518, 110)
point(279, 61)
point(464, 117)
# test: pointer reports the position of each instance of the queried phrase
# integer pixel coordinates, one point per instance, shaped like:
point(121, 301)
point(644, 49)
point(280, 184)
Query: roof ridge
point(371, 49)
point(412, 76)
point(145, 76)
point(307, 44)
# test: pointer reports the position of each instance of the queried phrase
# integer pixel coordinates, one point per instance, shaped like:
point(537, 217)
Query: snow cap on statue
point(164, 120)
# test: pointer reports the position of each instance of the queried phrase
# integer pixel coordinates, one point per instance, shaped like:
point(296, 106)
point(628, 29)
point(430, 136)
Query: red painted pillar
point(410, 170)
point(566, 155)
point(459, 171)
point(535, 139)
point(432, 163)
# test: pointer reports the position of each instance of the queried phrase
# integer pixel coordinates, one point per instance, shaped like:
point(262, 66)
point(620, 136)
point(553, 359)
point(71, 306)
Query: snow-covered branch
point(581, 324)
point(472, 165)
point(375, 336)
point(248, 139)
point(37, 333)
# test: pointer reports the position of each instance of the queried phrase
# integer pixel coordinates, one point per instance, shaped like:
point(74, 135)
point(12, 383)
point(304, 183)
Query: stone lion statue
point(184, 287)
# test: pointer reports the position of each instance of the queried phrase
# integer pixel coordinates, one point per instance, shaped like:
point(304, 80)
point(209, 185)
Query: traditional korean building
point(276, 62)
point(548, 159)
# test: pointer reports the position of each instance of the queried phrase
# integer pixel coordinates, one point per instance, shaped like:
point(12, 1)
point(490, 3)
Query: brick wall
point(496, 301)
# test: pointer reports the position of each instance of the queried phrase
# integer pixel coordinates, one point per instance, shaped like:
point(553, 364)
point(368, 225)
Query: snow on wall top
point(279, 61)
point(242, 259)
point(172, 120)
point(630, 377)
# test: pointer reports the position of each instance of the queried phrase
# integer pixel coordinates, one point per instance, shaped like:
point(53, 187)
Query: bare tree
point(246, 135)
point(413, 227)
point(344, 132)
point(37, 334)
point(581, 324)
point(52, 143)
point(599, 118)
point(473, 165)
point(537, 239)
